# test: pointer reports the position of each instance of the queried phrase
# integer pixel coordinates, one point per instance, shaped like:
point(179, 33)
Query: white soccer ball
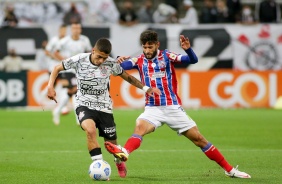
point(100, 170)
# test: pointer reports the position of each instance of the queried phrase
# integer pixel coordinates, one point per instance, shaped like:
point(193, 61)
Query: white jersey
point(93, 81)
point(69, 47)
point(51, 47)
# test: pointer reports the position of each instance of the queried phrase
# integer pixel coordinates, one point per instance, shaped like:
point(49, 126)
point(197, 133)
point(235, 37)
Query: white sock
point(62, 100)
point(73, 105)
point(97, 157)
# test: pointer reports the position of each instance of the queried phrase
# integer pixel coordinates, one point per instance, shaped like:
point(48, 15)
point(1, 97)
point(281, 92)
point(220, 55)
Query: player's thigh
point(72, 80)
point(84, 113)
point(178, 120)
point(150, 119)
point(72, 90)
point(106, 126)
point(69, 79)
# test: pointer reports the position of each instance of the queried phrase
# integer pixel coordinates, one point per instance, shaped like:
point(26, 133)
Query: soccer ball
point(100, 170)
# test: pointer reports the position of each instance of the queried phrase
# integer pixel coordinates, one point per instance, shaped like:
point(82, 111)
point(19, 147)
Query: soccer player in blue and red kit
point(156, 70)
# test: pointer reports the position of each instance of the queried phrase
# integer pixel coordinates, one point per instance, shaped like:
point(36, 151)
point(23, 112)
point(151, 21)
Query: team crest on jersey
point(172, 56)
point(81, 115)
point(103, 70)
point(153, 65)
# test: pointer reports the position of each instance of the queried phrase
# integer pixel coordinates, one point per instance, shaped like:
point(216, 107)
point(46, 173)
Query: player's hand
point(152, 91)
point(121, 59)
point(184, 42)
point(51, 94)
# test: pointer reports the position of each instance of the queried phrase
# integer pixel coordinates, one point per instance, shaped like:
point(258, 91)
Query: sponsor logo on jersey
point(157, 75)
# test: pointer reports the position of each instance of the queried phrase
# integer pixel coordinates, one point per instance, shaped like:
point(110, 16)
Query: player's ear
point(158, 44)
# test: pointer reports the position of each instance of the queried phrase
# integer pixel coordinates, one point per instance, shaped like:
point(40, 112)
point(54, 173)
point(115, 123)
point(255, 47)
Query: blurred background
point(238, 42)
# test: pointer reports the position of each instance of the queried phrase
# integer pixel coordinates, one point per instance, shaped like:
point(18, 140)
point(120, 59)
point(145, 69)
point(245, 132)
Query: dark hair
point(103, 45)
point(149, 36)
point(63, 26)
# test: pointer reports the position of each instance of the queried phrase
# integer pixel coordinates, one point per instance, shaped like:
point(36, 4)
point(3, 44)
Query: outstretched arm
point(124, 62)
point(135, 82)
point(185, 45)
point(51, 91)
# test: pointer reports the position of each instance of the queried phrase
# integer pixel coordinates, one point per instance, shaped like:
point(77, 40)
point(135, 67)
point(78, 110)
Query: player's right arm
point(51, 93)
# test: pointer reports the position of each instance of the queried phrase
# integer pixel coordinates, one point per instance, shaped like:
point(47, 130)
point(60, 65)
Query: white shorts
point(174, 116)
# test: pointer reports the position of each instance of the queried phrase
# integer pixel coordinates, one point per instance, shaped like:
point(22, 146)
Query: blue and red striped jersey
point(159, 72)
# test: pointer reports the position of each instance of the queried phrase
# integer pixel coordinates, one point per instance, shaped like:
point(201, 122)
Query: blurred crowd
point(128, 12)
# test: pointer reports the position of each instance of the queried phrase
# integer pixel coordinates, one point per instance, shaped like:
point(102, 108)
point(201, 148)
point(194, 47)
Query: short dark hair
point(149, 36)
point(103, 45)
point(63, 26)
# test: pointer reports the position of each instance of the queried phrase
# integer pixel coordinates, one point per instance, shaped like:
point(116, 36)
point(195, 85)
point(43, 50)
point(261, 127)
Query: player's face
point(150, 50)
point(98, 57)
point(62, 32)
point(76, 29)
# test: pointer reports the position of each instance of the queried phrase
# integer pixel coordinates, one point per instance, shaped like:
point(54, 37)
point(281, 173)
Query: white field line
point(194, 150)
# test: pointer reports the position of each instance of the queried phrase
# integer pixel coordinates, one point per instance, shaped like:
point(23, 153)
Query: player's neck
point(92, 60)
point(75, 37)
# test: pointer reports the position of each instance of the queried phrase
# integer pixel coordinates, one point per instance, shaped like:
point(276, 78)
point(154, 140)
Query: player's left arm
point(125, 63)
point(191, 56)
point(135, 82)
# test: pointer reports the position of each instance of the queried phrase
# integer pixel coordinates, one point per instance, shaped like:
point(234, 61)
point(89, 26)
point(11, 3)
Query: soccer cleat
point(56, 117)
point(121, 168)
point(235, 173)
point(117, 151)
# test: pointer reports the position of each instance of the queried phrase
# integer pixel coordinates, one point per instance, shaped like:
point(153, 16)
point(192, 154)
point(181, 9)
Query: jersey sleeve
point(71, 63)
point(116, 69)
point(134, 61)
point(172, 56)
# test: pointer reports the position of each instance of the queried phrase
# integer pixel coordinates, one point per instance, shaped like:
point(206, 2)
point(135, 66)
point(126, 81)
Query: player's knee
point(89, 127)
point(142, 128)
point(90, 131)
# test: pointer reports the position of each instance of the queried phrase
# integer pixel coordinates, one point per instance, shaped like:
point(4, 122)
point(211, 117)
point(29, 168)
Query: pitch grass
point(33, 150)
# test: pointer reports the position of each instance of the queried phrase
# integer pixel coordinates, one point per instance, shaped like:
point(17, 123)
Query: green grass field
point(33, 150)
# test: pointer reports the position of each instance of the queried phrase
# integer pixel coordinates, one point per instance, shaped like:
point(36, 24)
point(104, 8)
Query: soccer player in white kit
point(93, 102)
point(66, 47)
point(156, 70)
point(52, 61)
point(51, 47)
